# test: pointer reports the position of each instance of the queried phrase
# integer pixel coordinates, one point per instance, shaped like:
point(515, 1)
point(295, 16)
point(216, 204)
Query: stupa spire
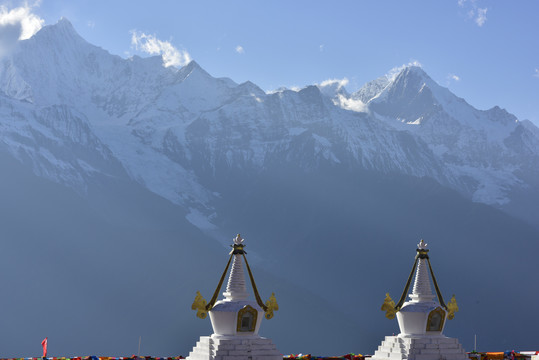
point(422, 290)
point(236, 288)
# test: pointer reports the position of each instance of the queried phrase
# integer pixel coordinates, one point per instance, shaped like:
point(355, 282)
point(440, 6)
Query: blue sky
point(486, 51)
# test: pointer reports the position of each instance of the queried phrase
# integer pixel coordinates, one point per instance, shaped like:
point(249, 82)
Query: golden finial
point(200, 306)
point(452, 308)
point(389, 307)
point(271, 306)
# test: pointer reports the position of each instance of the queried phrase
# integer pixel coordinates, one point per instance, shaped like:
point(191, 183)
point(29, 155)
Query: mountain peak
point(62, 31)
point(64, 22)
point(500, 115)
point(413, 72)
point(192, 65)
point(405, 82)
point(62, 26)
point(377, 88)
point(192, 68)
point(414, 69)
point(409, 95)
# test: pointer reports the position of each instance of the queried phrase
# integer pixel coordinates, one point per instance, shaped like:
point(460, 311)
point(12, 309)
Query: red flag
point(44, 345)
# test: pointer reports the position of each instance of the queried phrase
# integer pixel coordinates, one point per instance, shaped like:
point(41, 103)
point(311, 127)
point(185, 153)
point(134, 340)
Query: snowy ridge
point(74, 111)
point(471, 144)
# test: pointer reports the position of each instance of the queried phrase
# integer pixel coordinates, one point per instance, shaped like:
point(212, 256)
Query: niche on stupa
point(435, 321)
point(247, 317)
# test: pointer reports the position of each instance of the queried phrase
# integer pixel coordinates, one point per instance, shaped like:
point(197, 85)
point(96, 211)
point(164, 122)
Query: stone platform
point(221, 348)
point(420, 348)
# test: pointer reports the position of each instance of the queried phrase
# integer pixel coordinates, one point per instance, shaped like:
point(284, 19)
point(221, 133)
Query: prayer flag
point(44, 345)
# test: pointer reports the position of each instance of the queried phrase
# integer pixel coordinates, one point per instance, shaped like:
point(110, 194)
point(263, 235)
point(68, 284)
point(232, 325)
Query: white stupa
point(235, 319)
point(421, 319)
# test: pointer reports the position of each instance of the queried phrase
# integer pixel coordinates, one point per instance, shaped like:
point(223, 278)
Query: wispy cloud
point(17, 24)
point(90, 24)
point(339, 99)
point(153, 46)
point(338, 83)
point(239, 49)
point(284, 88)
point(321, 48)
point(453, 77)
point(352, 104)
point(479, 15)
point(536, 74)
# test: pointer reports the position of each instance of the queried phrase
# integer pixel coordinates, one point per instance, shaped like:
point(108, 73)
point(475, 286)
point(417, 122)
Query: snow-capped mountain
point(176, 130)
point(129, 155)
point(482, 151)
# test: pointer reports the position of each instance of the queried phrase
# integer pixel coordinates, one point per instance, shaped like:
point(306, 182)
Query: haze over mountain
point(122, 177)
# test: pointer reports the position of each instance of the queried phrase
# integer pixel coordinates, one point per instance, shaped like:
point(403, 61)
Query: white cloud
point(321, 47)
point(91, 24)
point(284, 88)
point(450, 78)
point(339, 83)
point(453, 77)
point(153, 46)
point(239, 49)
point(481, 16)
point(352, 104)
point(536, 74)
point(341, 100)
point(17, 24)
point(473, 11)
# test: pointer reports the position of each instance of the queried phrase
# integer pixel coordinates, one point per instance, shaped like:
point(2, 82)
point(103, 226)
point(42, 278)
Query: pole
point(139, 341)
point(475, 343)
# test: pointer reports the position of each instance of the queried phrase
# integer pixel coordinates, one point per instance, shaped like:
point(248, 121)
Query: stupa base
point(234, 348)
point(420, 348)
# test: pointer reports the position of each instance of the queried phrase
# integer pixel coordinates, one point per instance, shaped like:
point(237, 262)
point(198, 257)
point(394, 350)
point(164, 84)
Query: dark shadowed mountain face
point(93, 274)
point(121, 180)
